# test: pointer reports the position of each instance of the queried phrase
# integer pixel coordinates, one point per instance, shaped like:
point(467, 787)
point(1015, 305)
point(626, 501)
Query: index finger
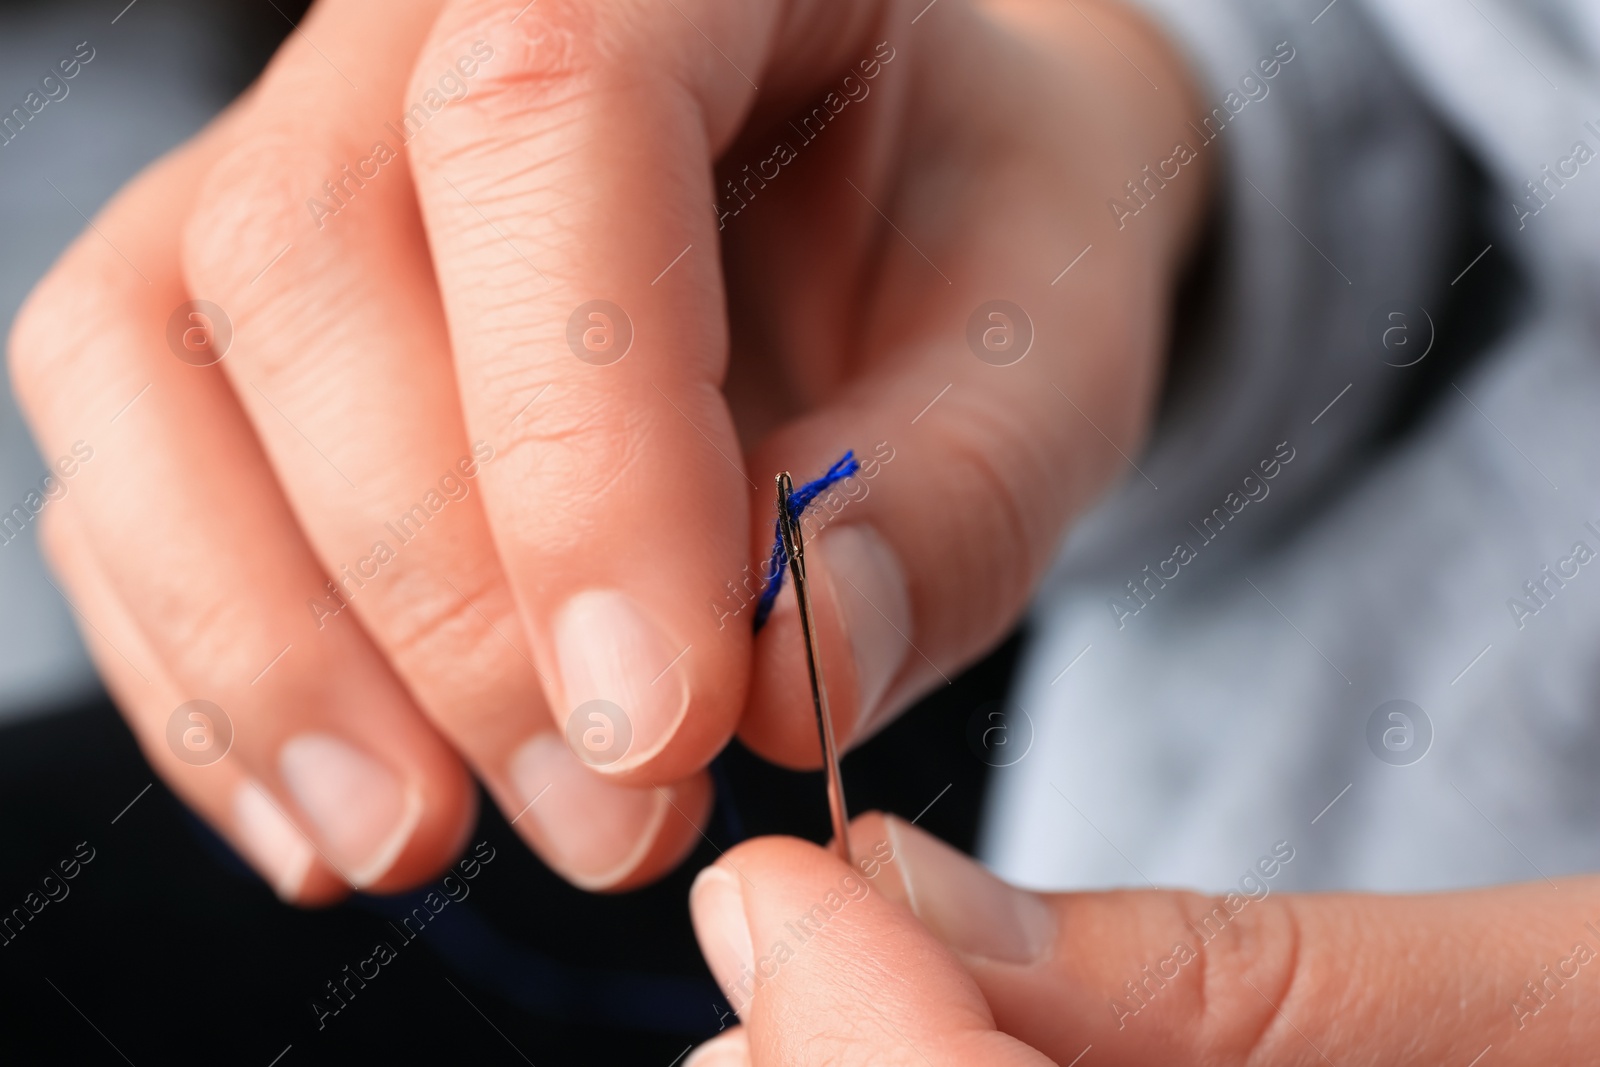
point(567, 200)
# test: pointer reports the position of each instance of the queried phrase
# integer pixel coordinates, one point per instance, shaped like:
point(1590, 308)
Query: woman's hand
point(828, 965)
point(510, 313)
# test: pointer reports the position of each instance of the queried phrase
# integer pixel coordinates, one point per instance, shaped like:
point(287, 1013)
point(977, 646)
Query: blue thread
point(799, 500)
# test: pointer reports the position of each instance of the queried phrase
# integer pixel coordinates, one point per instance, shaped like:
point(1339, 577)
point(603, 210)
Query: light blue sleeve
point(1339, 191)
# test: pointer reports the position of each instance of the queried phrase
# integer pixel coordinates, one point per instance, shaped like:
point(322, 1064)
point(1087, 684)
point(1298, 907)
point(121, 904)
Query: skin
point(430, 313)
point(427, 319)
point(1299, 979)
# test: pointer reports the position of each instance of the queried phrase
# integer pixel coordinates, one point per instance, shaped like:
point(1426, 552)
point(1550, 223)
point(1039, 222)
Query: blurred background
point(166, 948)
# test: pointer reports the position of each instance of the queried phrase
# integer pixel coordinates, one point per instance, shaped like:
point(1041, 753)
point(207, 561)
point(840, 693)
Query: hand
point(829, 965)
point(428, 507)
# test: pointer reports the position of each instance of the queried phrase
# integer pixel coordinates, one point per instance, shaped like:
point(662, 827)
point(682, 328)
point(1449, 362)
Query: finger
point(983, 427)
point(1055, 969)
point(341, 361)
point(601, 835)
point(824, 970)
point(578, 172)
point(199, 542)
point(1009, 938)
point(729, 1049)
point(227, 797)
point(1257, 977)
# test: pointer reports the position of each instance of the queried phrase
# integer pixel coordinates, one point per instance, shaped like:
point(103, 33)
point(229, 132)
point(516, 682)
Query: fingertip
point(620, 675)
point(322, 887)
point(644, 693)
point(729, 1049)
point(722, 928)
point(873, 850)
point(430, 830)
point(873, 612)
point(862, 615)
point(960, 901)
point(796, 941)
point(601, 835)
point(785, 856)
point(686, 807)
point(779, 723)
point(280, 853)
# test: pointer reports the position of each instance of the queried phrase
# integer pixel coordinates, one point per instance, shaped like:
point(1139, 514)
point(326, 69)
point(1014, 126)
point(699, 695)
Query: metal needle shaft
point(794, 548)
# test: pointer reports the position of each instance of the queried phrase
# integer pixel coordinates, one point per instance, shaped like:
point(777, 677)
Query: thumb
point(1254, 976)
point(823, 968)
point(987, 411)
point(1050, 964)
point(1071, 971)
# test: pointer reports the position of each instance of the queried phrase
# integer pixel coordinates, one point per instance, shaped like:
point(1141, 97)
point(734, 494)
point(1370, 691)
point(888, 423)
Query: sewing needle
point(794, 548)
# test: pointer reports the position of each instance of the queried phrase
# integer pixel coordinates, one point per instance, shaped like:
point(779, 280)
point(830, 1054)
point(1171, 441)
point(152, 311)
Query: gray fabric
point(1232, 709)
point(155, 77)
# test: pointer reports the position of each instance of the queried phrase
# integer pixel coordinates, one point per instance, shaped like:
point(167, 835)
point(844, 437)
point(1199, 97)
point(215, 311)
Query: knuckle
point(1251, 963)
point(458, 644)
point(435, 625)
point(56, 325)
point(243, 214)
point(214, 637)
point(583, 447)
point(258, 205)
point(491, 64)
point(36, 339)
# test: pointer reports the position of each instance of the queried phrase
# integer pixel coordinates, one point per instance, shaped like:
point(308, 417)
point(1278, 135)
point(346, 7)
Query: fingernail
point(594, 832)
point(874, 609)
point(610, 651)
point(730, 1049)
point(274, 844)
point(716, 906)
point(360, 810)
point(965, 906)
